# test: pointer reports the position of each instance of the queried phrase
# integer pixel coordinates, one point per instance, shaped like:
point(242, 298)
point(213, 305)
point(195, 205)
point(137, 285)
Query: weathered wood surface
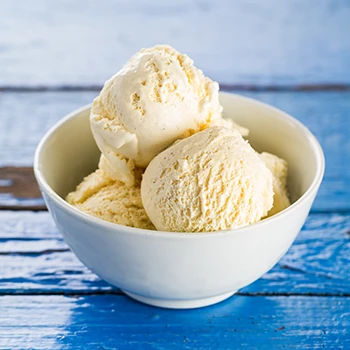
point(48, 299)
point(25, 117)
point(19, 189)
point(85, 42)
point(116, 322)
point(34, 259)
point(326, 114)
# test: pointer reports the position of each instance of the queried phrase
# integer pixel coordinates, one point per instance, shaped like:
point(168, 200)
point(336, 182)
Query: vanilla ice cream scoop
point(109, 200)
point(155, 99)
point(211, 181)
point(279, 170)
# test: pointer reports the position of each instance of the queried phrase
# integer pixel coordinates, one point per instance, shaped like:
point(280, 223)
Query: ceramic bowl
point(178, 270)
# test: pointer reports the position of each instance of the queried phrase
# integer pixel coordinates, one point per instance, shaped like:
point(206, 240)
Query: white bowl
point(178, 270)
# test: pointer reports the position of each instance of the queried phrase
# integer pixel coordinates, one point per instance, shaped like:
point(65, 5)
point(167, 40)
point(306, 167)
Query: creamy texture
point(155, 99)
point(211, 181)
point(279, 170)
point(110, 200)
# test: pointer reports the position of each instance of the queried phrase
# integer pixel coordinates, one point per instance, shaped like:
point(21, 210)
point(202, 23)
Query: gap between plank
point(118, 292)
point(224, 87)
point(42, 252)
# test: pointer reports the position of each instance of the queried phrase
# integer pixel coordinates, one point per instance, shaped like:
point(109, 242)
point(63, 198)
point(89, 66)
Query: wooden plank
point(27, 225)
point(57, 272)
point(283, 42)
point(19, 189)
point(326, 114)
point(25, 117)
point(34, 259)
point(117, 322)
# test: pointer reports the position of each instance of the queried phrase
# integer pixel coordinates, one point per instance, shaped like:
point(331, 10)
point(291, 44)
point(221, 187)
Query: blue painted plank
point(116, 322)
point(326, 114)
point(33, 259)
point(269, 42)
point(25, 118)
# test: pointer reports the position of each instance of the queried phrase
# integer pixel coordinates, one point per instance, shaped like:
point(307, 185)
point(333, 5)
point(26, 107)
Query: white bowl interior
point(277, 133)
point(70, 153)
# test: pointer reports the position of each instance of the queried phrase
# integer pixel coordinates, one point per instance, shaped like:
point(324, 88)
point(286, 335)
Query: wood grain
point(26, 117)
point(326, 114)
point(35, 259)
point(270, 42)
point(19, 187)
point(117, 322)
point(277, 52)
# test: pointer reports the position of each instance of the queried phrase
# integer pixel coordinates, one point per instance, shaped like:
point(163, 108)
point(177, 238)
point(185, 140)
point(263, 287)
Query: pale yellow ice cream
point(110, 200)
point(211, 181)
point(158, 97)
point(279, 170)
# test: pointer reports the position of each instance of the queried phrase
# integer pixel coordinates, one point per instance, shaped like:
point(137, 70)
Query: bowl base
point(179, 304)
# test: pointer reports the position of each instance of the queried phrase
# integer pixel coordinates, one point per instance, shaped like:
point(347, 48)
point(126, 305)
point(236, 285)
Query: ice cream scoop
point(279, 170)
point(213, 180)
point(158, 97)
point(101, 196)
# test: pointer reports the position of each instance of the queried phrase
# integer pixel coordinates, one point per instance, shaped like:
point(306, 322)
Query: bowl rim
point(63, 204)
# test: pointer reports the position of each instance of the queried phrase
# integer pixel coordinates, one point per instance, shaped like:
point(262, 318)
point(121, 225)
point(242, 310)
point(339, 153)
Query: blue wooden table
point(55, 56)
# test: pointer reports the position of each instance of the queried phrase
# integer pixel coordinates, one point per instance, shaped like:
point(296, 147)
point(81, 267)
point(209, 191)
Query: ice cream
point(110, 200)
point(160, 113)
point(279, 170)
point(210, 181)
point(155, 99)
